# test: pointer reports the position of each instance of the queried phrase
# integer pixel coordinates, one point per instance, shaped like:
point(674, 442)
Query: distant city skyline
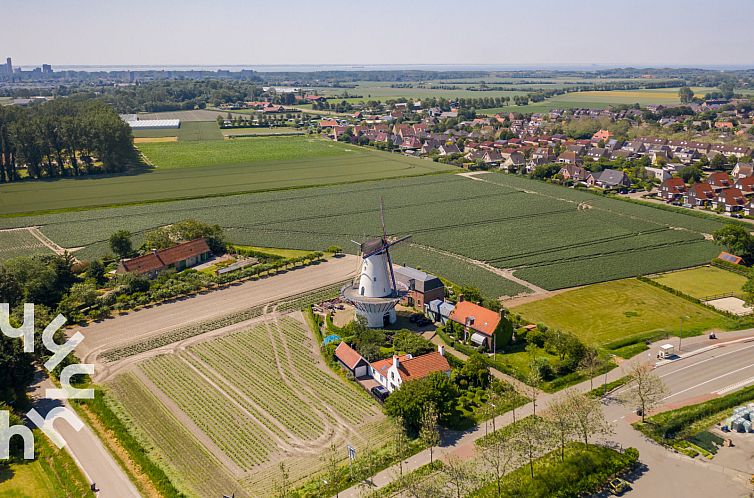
point(582, 33)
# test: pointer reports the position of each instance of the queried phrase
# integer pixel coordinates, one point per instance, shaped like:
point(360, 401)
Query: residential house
point(731, 199)
point(596, 153)
point(178, 257)
point(700, 194)
point(660, 174)
point(601, 135)
point(448, 149)
point(483, 326)
point(420, 287)
point(573, 172)
point(608, 178)
point(719, 180)
point(672, 189)
point(351, 360)
point(742, 170)
point(391, 373)
point(569, 157)
point(746, 185)
point(515, 162)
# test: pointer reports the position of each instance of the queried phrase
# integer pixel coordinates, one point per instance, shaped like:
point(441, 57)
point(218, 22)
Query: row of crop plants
point(247, 361)
point(239, 437)
point(189, 465)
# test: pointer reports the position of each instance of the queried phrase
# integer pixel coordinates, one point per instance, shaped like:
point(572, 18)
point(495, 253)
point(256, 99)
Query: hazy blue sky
point(651, 32)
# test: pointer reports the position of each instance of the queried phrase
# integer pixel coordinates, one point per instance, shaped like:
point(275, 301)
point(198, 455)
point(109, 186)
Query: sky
point(467, 32)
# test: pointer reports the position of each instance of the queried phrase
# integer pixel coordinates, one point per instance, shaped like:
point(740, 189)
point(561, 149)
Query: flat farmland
point(243, 169)
point(610, 311)
point(14, 243)
point(546, 234)
point(223, 413)
point(188, 131)
point(191, 115)
point(165, 155)
point(703, 282)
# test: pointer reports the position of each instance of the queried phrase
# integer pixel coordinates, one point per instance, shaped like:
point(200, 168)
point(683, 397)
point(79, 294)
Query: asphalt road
point(689, 380)
point(666, 475)
point(87, 450)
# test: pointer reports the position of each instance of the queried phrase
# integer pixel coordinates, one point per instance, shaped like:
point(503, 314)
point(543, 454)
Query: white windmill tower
point(374, 294)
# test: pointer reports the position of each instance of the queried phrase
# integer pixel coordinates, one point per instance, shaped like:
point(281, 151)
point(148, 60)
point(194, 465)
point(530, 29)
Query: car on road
point(618, 486)
point(380, 393)
point(415, 317)
point(423, 321)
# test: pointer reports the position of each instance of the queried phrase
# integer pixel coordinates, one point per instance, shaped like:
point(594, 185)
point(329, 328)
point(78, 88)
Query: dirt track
point(149, 322)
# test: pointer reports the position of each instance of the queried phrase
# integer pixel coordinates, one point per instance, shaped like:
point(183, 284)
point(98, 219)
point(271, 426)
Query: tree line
point(63, 137)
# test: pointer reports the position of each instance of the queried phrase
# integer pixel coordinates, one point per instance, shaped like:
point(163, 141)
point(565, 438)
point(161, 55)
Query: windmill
point(376, 293)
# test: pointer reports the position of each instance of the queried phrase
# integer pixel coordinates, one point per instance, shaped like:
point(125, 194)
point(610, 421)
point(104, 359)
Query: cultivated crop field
point(241, 403)
point(14, 243)
point(610, 311)
point(188, 131)
point(703, 283)
point(551, 236)
point(331, 163)
point(241, 151)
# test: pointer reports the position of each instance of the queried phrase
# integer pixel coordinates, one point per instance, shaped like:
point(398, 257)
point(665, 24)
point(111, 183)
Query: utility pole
point(680, 336)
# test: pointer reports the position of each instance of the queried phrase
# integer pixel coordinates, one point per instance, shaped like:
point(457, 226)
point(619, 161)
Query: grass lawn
point(52, 474)
point(26, 480)
point(703, 282)
point(606, 312)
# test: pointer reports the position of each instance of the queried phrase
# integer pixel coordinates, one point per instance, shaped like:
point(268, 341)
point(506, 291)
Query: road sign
point(351, 452)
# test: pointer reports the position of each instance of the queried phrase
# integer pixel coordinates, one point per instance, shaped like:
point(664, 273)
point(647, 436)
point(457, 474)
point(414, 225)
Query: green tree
point(430, 429)
point(120, 243)
point(408, 402)
point(10, 290)
point(735, 239)
point(686, 95)
point(690, 174)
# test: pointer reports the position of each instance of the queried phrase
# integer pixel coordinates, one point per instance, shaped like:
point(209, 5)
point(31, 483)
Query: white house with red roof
point(391, 373)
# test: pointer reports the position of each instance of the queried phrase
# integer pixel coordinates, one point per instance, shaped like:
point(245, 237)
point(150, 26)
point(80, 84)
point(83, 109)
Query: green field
point(52, 474)
point(188, 132)
point(231, 167)
point(278, 130)
point(14, 243)
point(258, 396)
point(547, 234)
point(703, 283)
point(243, 152)
point(606, 312)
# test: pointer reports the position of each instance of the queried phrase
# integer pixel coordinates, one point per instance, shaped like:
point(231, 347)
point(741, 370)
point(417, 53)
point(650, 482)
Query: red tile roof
point(348, 355)
point(423, 365)
point(719, 179)
point(158, 260)
point(485, 320)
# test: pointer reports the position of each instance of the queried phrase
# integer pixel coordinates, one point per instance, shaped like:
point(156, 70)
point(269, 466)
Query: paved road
point(87, 450)
point(689, 380)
